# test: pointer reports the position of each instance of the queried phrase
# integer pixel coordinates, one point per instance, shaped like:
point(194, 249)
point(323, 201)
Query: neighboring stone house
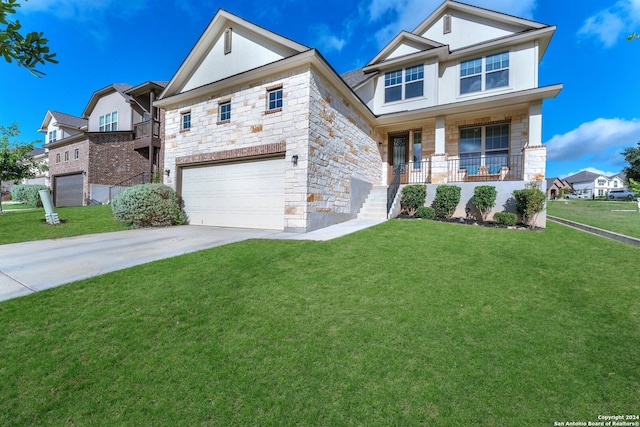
point(556, 186)
point(589, 184)
point(116, 143)
point(262, 132)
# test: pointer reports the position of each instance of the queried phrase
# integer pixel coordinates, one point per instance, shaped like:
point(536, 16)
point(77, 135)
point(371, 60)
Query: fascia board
point(503, 100)
point(441, 53)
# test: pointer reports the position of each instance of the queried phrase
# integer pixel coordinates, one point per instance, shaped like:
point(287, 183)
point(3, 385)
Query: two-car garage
point(248, 194)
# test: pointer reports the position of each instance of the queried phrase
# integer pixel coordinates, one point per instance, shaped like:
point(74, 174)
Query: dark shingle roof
point(68, 120)
point(356, 77)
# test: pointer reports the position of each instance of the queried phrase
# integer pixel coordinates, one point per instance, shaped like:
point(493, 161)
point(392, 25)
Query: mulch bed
point(469, 221)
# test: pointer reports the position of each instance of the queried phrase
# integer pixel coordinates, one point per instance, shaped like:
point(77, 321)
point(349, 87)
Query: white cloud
point(84, 10)
point(598, 139)
point(613, 24)
point(407, 15)
point(326, 40)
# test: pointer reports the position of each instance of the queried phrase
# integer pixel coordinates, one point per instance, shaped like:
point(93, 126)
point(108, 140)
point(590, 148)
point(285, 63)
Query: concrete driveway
point(30, 267)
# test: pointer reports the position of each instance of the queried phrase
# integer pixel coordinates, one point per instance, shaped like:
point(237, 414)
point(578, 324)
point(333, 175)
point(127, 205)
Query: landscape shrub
point(425, 212)
point(529, 203)
point(506, 218)
point(484, 198)
point(28, 193)
point(413, 196)
point(148, 205)
point(446, 200)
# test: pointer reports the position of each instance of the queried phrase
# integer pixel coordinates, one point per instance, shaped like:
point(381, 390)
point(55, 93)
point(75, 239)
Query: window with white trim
point(484, 146)
point(185, 120)
point(615, 184)
point(58, 158)
point(396, 89)
point(417, 149)
point(76, 154)
point(66, 156)
point(108, 122)
point(486, 73)
point(53, 136)
point(224, 111)
point(602, 182)
point(274, 99)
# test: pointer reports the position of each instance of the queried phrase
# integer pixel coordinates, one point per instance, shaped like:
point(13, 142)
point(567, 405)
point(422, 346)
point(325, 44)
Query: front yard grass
point(23, 226)
point(617, 216)
point(407, 323)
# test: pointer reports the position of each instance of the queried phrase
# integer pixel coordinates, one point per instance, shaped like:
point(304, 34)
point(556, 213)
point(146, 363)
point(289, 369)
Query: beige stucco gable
point(229, 46)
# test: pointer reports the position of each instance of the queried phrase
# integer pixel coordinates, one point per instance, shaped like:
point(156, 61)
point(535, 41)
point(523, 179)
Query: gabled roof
point(121, 88)
point(218, 24)
point(62, 120)
point(421, 44)
point(356, 78)
point(477, 11)
point(583, 176)
point(146, 87)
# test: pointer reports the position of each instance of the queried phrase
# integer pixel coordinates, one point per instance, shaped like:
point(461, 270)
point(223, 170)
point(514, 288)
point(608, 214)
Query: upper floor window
point(495, 73)
point(66, 156)
point(396, 88)
point(76, 154)
point(615, 184)
point(602, 182)
point(225, 112)
point(109, 122)
point(53, 136)
point(484, 146)
point(185, 120)
point(58, 158)
point(417, 149)
point(274, 99)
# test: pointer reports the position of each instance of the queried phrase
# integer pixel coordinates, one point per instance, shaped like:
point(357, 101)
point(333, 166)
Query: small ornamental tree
point(446, 200)
point(529, 203)
point(413, 196)
point(484, 198)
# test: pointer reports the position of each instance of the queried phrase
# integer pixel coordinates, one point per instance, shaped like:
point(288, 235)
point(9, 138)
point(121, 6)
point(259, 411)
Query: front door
point(397, 155)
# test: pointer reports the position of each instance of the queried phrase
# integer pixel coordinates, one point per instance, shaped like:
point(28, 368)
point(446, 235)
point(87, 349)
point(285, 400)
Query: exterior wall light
point(294, 160)
point(167, 172)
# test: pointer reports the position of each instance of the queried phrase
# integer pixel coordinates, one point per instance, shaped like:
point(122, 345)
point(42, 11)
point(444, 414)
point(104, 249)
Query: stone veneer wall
point(252, 131)
point(344, 161)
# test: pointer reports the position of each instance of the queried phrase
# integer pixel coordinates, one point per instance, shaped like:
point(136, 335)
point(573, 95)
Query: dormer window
point(396, 88)
point(474, 77)
point(52, 136)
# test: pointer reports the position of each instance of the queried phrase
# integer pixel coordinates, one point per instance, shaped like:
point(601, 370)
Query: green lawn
point(618, 216)
point(22, 226)
point(407, 323)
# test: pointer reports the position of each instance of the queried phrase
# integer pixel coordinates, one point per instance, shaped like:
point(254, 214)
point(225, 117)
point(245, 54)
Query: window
point(58, 158)
point(601, 192)
point(109, 122)
point(417, 149)
point(227, 41)
point(413, 84)
point(66, 156)
point(76, 154)
point(274, 98)
point(53, 136)
point(484, 146)
point(496, 73)
point(601, 182)
point(185, 120)
point(225, 112)
point(615, 184)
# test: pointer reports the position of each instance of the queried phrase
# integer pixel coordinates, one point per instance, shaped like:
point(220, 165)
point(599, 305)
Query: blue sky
point(100, 42)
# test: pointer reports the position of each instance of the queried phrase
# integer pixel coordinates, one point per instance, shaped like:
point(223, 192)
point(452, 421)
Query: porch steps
point(375, 207)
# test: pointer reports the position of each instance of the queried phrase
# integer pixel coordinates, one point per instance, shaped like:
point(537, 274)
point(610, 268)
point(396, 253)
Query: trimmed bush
point(148, 205)
point(484, 198)
point(425, 212)
point(413, 196)
point(28, 193)
point(506, 218)
point(529, 203)
point(447, 199)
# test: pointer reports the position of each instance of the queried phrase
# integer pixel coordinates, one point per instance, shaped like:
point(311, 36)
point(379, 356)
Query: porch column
point(535, 163)
point(440, 136)
point(535, 124)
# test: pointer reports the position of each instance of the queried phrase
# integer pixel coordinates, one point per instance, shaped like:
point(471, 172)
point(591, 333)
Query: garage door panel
point(248, 195)
point(69, 190)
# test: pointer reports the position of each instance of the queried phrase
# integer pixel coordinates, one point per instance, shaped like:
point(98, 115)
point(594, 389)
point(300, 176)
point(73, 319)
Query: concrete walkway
point(30, 267)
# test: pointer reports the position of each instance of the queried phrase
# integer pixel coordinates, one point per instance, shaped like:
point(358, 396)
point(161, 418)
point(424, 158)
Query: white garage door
point(246, 195)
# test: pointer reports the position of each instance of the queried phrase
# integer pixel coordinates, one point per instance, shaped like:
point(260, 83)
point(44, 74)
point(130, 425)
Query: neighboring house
point(116, 143)
point(41, 176)
point(590, 184)
point(556, 185)
point(262, 132)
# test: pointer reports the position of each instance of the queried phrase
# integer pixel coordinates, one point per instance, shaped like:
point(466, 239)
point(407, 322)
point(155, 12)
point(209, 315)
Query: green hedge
point(413, 197)
point(506, 218)
point(446, 200)
point(148, 205)
point(28, 193)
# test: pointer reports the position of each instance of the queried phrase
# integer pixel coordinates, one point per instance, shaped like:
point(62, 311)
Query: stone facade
point(334, 145)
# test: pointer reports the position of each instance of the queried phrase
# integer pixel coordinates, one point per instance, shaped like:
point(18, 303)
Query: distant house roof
point(121, 88)
point(62, 120)
point(36, 152)
point(586, 176)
